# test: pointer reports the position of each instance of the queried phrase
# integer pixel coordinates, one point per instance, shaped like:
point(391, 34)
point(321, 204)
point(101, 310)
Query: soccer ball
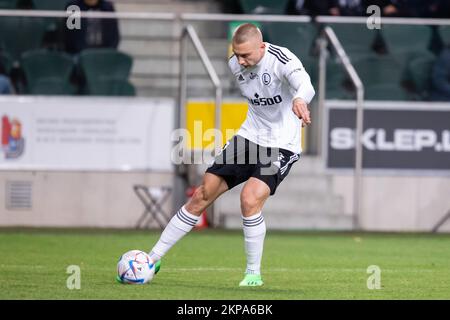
point(135, 267)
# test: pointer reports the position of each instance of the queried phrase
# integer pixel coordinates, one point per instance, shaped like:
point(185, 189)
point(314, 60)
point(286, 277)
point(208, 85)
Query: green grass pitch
point(209, 264)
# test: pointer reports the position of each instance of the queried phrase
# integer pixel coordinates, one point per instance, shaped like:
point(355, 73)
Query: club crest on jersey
point(266, 78)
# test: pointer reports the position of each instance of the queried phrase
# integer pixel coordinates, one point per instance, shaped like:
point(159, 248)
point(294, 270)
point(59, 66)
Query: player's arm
point(299, 80)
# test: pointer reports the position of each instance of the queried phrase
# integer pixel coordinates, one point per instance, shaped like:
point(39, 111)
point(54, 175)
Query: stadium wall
point(92, 196)
point(79, 199)
point(398, 203)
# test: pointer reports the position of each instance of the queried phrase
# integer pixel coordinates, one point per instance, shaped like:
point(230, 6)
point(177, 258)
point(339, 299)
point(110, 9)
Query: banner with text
point(412, 136)
point(86, 133)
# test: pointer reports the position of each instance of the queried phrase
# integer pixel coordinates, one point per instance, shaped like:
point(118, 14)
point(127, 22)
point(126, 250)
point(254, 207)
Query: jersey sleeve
point(298, 79)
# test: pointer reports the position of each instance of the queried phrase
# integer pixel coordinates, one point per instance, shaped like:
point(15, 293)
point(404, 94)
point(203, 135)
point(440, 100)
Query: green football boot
point(251, 280)
point(157, 266)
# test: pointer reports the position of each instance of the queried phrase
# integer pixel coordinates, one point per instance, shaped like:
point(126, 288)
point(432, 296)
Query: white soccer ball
point(135, 267)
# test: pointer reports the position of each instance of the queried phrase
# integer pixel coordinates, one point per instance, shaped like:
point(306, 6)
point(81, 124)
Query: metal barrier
point(328, 34)
point(189, 32)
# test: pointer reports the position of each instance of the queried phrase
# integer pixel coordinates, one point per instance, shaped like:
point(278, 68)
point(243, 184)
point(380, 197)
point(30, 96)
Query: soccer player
point(278, 90)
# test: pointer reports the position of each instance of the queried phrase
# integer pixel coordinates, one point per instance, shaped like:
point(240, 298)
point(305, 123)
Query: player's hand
point(300, 109)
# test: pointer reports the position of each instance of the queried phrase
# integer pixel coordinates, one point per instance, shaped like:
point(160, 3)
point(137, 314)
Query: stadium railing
point(328, 36)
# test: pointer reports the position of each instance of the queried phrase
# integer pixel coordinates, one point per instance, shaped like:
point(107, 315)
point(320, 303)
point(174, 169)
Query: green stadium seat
point(8, 4)
point(311, 65)
point(339, 94)
point(419, 70)
point(51, 23)
point(6, 62)
point(444, 32)
point(112, 88)
point(374, 70)
point(51, 86)
point(355, 38)
point(405, 42)
point(406, 38)
point(335, 77)
point(31, 34)
point(381, 76)
point(42, 65)
point(104, 64)
point(385, 91)
point(264, 6)
point(50, 5)
point(297, 37)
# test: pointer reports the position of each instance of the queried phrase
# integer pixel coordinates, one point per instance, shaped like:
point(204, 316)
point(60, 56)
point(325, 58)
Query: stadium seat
point(111, 87)
point(6, 61)
point(335, 75)
point(7, 4)
point(444, 32)
point(355, 38)
point(419, 70)
point(49, 5)
point(335, 78)
point(373, 69)
point(31, 34)
point(50, 23)
point(406, 38)
point(264, 6)
point(385, 91)
point(381, 76)
point(51, 86)
point(298, 37)
point(105, 64)
point(43, 66)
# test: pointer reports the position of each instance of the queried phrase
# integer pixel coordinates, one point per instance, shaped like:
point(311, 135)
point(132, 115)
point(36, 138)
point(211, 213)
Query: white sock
point(254, 233)
point(180, 224)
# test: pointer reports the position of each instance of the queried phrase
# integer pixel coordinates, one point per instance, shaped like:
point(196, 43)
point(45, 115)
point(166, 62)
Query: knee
point(202, 194)
point(197, 203)
point(249, 202)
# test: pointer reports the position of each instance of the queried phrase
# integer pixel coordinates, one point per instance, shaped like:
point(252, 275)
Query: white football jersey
point(270, 86)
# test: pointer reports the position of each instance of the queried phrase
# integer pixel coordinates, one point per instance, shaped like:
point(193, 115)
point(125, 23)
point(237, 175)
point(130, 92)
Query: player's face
point(249, 53)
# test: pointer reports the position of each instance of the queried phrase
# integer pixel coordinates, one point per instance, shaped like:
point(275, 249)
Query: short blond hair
point(245, 32)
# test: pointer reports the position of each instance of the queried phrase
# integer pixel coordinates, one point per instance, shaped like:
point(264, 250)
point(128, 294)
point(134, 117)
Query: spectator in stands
point(94, 33)
point(440, 77)
point(438, 9)
point(389, 8)
point(5, 83)
point(405, 8)
point(313, 8)
point(24, 4)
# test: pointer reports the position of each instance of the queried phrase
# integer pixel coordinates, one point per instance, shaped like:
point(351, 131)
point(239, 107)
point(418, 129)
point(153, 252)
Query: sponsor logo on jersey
point(253, 75)
point(258, 101)
point(293, 71)
point(266, 78)
point(241, 78)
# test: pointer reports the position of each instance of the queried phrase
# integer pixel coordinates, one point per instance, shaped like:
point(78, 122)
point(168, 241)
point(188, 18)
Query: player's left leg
point(253, 196)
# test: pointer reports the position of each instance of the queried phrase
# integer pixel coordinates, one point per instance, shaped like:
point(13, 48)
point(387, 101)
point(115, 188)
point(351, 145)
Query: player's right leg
point(187, 216)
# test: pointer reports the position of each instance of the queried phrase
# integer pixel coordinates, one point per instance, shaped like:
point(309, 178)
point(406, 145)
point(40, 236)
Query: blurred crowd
point(389, 8)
